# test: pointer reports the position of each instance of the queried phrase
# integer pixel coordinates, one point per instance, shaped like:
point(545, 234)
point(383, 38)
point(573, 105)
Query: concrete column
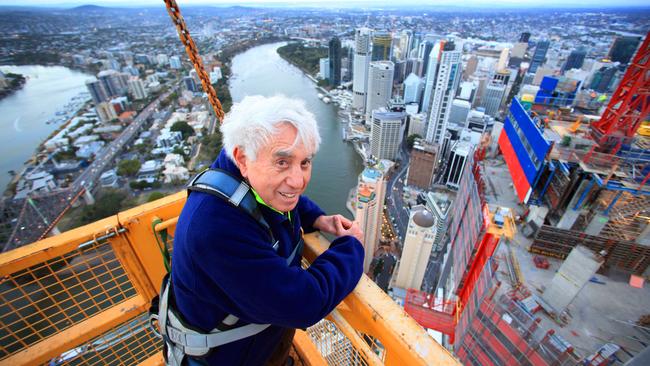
point(570, 216)
point(597, 224)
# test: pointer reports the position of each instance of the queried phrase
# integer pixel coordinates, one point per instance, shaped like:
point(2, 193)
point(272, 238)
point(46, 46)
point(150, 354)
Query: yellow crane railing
point(82, 297)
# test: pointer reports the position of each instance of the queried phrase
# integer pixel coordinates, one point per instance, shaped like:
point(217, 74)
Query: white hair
point(252, 123)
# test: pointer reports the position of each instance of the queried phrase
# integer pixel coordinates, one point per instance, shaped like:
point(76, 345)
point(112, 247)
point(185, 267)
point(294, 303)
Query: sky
point(341, 3)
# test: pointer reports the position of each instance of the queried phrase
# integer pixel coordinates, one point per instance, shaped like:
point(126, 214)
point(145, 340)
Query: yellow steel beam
point(369, 310)
point(359, 344)
point(155, 360)
point(306, 349)
point(78, 334)
point(138, 222)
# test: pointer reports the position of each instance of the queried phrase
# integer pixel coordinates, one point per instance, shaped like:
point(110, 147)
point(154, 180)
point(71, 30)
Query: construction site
point(548, 245)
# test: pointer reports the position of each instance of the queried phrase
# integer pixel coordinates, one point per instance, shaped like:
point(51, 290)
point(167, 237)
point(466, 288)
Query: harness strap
point(222, 184)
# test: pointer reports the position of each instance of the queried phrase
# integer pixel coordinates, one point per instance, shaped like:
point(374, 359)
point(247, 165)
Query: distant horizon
point(444, 4)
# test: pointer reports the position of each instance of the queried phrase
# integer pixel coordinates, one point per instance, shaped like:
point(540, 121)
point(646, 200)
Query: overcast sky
point(342, 3)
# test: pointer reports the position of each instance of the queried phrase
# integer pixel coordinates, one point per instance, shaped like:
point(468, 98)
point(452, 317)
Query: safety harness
point(180, 339)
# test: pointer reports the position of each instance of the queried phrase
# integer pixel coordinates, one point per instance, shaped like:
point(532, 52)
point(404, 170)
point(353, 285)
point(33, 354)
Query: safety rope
point(190, 47)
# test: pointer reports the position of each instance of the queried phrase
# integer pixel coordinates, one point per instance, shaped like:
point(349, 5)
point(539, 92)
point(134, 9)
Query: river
point(261, 70)
point(23, 113)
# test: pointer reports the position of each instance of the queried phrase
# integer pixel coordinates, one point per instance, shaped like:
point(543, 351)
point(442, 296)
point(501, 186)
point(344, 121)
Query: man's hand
point(338, 225)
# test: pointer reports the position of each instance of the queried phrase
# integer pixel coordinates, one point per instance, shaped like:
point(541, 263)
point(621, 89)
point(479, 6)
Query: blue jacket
point(223, 263)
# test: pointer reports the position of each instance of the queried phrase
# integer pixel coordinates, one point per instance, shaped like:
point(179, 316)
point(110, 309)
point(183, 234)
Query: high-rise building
point(190, 84)
point(424, 51)
point(105, 111)
point(602, 79)
point(175, 62)
point(405, 44)
point(114, 83)
point(445, 70)
point(459, 111)
point(524, 37)
point(360, 74)
point(413, 87)
point(335, 62)
point(575, 60)
point(413, 65)
point(386, 133)
point(417, 124)
point(539, 56)
point(624, 48)
point(418, 243)
point(371, 191)
point(97, 91)
point(136, 87)
point(504, 56)
point(324, 67)
point(381, 46)
point(458, 157)
point(380, 85)
point(438, 202)
point(494, 94)
point(422, 164)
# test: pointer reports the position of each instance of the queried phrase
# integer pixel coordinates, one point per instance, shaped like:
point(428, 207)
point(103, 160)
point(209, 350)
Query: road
point(105, 157)
point(397, 208)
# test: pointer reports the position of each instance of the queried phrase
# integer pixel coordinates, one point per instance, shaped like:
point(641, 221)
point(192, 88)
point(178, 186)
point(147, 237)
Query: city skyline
point(449, 4)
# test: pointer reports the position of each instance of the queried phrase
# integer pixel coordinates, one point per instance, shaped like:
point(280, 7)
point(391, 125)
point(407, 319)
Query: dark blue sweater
point(223, 263)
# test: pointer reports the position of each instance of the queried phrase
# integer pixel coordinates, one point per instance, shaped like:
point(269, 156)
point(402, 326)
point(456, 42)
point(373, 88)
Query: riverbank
point(10, 83)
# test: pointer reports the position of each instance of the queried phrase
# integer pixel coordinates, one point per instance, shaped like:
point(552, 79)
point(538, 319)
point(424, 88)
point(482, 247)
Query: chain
point(184, 34)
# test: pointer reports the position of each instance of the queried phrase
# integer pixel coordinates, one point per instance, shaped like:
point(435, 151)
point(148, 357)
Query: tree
point(128, 168)
point(108, 204)
point(184, 128)
point(155, 196)
point(410, 141)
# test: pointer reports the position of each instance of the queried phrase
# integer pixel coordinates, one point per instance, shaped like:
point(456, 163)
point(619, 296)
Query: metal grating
point(129, 343)
point(336, 348)
point(42, 300)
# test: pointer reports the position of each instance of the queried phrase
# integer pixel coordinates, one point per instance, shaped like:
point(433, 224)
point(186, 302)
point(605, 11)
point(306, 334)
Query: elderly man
point(233, 272)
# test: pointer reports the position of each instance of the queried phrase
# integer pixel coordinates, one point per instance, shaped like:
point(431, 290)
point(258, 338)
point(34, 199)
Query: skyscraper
point(324, 68)
point(360, 74)
point(381, 46)
point(443, 77)
point(539, 56)
point(413, 87)
point(494, 93)
point(458, 157)
point(575, 60)
point(459, 111)
point(424, 51)
point(417, 248)
point(386, 133)
point(136, 87)
point(524, 37)
point(602, 79)
point(114, 83)
point(380, 85)
point(97, 91)
point(624, 48)
point(335, 62)
point(405, 43)
point(371, 191)
point(422, 164)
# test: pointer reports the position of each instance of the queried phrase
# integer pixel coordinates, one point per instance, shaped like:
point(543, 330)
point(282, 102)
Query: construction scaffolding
point(628, 256)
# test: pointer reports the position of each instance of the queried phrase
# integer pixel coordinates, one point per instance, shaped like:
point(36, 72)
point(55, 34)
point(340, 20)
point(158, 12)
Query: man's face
point(281, 171)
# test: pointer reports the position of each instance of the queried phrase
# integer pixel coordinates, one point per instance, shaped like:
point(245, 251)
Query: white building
point(371, 191)
point(162, 59)
point(438, 202)
point(89, 150)
point(380, 85)
point(445, 69)
point(169, 138)
point(175, 62)
point(417, 124)
point(136, 88)
point(108, 178)
point(386, 133)
point(413, 88)
point(361, 63)
point(418, 244)
point(173, 174)
point(324, 68)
